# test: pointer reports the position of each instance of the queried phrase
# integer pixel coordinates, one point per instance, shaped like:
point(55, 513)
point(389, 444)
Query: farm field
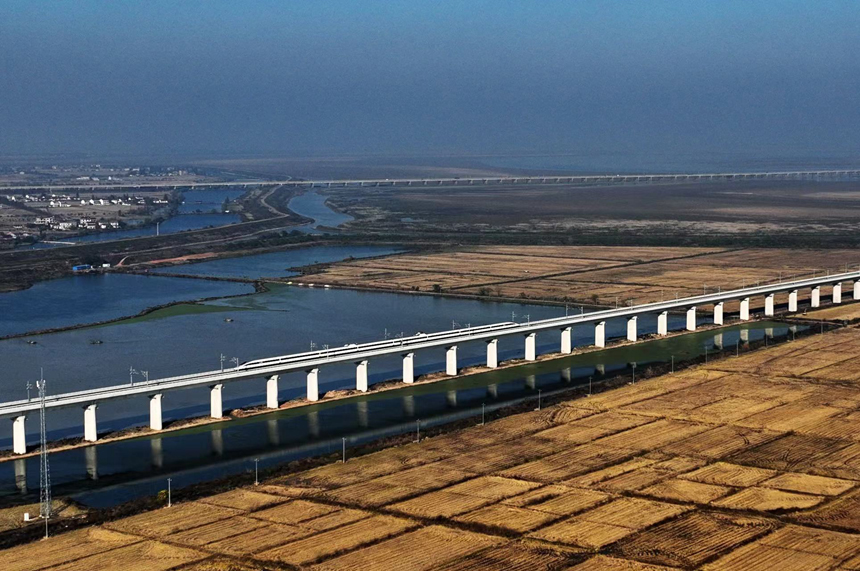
point(749, 462)
point(588, 274)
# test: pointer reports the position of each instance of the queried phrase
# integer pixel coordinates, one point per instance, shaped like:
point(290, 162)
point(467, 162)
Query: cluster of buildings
point(65, 201)
point(82, 223)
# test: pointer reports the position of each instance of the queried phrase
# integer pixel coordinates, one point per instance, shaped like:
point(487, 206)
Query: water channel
point(111, 473)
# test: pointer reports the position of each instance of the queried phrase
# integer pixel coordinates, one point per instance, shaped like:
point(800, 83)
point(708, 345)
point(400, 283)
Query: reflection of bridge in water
point(808, 175)
point(278, 443)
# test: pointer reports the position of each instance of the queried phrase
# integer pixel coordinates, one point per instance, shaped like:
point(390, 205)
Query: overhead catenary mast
point(44, 468)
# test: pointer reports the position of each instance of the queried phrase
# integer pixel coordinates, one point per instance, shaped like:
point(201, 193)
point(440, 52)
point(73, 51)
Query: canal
point(112, 473)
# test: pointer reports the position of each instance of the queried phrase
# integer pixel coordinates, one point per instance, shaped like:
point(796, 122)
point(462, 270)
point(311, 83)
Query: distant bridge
point(467, 181)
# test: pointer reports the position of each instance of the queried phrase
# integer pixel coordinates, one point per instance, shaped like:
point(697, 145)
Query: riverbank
point(724, 454)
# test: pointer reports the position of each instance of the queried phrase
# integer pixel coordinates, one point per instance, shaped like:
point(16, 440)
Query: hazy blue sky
point(393, 76)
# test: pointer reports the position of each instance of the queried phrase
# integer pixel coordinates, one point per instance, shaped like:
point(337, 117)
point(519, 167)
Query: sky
point(370, 77)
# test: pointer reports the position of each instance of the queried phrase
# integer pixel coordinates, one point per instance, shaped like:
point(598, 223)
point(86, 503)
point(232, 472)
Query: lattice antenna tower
point(44, 467)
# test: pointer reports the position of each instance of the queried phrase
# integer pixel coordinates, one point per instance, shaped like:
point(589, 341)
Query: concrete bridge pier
point(631, 328)
point(451, 360)
point(91, 432)
point(216, 409)
point(409, 368)
point(600, 334)
point(718, 313)
point(313, 390)
point(567, 340)
point(856, 292)
point(691, 319)
point(493, 353)
point(745, 309)
point(768, 305)
point(837, 293)
point(19, 434)
point(272, 392)
point(815, 297)
point(361, 376)
point(155, 418)
point(792, 300)
point(663, 323)
point(531, 346)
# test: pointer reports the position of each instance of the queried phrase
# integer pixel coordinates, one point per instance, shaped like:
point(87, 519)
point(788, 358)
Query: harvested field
point(143, 556)
point(669, 543)
point(686, 491)
point(766, 500)
point(338, 540)
point(509, 518)
point(247, 500)
point(587, 274)
point(294, 512)
point(424, 549)
point(724, 466)
point(65, 548)
point(518, 556)
point(603, 563)
point(216, 531)
point(259, 539)
point(166, 522)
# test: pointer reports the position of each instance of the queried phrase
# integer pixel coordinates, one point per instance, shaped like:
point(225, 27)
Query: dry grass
point(686, 491)
point(509, 518)
point(669, 543)
point(165, 522)
point(340, 539)
point(246, 500)
point(423, 549)
point(766, 500)
point(143, 556)
point(578, 273)
point(65, 548)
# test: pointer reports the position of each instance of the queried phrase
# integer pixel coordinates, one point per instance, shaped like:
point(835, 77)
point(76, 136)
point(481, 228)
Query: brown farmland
point(588, 274)
point(650, 476)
